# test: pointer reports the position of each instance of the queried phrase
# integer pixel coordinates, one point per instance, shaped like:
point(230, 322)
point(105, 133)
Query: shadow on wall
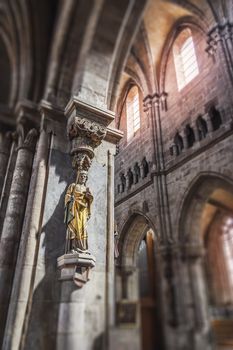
point(43, 318)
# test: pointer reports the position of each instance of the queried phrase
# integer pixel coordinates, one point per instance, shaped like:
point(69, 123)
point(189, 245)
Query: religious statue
point(78, 201)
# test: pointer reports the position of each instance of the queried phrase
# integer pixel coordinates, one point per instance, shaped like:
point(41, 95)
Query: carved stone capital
point(217, 34)
point(86, 128)
point(158, 100)
point(84, 134)
point(27, 141)
point(28, 124)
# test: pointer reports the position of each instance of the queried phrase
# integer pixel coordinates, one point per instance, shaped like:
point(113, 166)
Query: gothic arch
point(185, 22)
point(133, 231)
point(205, 189)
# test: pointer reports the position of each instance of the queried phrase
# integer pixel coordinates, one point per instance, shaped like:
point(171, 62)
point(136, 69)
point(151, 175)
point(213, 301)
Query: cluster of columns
point(185, 308)
point(23, 159)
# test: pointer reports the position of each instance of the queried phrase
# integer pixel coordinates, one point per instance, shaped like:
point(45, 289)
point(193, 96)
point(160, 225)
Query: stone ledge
point(75, 265)
point(80, 259)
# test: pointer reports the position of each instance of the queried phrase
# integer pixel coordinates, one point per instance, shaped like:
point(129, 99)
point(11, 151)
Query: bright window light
point(132, 112)
point(185, 59)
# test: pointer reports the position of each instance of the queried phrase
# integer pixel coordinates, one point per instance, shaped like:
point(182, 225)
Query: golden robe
point(77, 212)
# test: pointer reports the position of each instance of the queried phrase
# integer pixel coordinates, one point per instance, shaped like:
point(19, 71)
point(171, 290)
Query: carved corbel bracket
point(76, 267)
point(84, 136)
point(86, 128)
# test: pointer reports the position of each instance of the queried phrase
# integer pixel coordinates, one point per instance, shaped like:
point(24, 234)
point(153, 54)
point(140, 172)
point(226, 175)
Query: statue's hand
point(88, 193)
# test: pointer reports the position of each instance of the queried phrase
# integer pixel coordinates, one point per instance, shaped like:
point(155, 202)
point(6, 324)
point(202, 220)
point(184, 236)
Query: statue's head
point(82, 178)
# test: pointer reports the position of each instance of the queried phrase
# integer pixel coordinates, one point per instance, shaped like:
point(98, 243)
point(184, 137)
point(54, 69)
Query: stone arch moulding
point(131, 234)
point(194, 200)
point(15, 26)
point(184, 22)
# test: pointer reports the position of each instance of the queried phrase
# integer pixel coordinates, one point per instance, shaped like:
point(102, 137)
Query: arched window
point(185, 58)
point(132, 112)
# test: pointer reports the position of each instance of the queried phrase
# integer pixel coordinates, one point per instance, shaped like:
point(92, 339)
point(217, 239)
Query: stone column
point(110, 278)
point(185, 138)
point(86, 288)
point(208, 120)
point(28, 248)
point(194, 255)
point(155, 106)
point(13, 222)
point(8, 180)
point(127, 182)
point(196, 131)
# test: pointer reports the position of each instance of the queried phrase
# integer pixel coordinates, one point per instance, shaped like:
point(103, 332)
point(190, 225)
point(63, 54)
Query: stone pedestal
point(76, 267)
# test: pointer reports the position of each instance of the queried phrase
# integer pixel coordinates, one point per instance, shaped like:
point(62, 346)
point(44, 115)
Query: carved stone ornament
point(85, 136)
point(217, 34)
point(27, 140)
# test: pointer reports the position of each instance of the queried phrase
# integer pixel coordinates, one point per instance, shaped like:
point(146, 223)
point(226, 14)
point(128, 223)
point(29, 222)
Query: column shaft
point(12, 226)
point(28, 249)
point(7, 184)
point(109, 318)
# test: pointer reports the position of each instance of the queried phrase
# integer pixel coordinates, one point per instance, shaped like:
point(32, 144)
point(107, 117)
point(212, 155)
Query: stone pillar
point(175, 302)
point(208, 120)
point(13, 222)
point(155, 105)
point(110, 277)
point(28, 248)
point(201, 324)
point(141, 170)
point(196, 131)
point(86, 288)
point(127, 181)
point(8, 180)
point(183, 134)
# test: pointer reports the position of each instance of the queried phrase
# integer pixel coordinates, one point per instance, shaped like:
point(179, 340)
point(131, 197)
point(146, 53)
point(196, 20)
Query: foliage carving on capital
point(82, 127)
point(26, 137)
point(85, 136)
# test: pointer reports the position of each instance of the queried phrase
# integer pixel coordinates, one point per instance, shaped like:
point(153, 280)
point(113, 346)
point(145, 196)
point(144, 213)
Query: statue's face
point(82, 178)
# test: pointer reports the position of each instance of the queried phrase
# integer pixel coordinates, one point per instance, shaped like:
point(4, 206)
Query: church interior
point(116, 174)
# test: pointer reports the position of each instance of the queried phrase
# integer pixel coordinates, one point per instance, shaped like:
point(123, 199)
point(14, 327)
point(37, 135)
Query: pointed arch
point(133, 231)
point(181, 24)
point(206, 188)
